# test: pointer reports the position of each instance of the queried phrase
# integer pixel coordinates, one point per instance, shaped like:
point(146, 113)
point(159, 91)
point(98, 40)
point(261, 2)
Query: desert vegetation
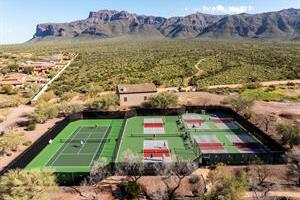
point(25, 184)
point(101, 65)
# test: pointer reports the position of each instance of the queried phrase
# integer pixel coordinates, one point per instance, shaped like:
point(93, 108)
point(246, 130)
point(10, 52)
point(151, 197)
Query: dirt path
point(205, 98)
point(265, 83)
point(199, 71)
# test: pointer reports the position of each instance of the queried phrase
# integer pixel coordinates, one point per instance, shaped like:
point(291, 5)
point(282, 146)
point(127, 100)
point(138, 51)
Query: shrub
point(31, 127)
point(290, 84)
point(163, 100)
point(8, 89)
point(44, 111)
point(27, 184)
point(69, 108)
point(239, 104)
point(47, 96)
point(67, 96)
point(157, 82)
point(247, 115)
point(31, 90)
point(131, 189)
point(28, 70)
point(253, 85)
point(290, 133)
point(104, 102)
point(12, 140)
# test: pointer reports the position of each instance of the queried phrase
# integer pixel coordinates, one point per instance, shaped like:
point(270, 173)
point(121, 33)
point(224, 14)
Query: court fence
point(275, 156)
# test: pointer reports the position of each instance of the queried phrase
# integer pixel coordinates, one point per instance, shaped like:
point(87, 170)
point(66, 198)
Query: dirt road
point(266, 83)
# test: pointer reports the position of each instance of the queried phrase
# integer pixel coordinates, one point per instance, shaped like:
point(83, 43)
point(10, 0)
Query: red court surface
point(153, 125)
point(211, 146)
point(156, 153)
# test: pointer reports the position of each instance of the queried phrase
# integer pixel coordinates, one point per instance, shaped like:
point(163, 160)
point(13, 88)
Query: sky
point(18, 18)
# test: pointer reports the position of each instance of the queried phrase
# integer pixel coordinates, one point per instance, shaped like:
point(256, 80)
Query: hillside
point(280, 25)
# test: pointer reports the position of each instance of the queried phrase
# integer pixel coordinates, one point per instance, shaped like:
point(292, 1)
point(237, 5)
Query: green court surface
point(78, 145)
point(133, 139)
point(180, 149)
point(83, 142)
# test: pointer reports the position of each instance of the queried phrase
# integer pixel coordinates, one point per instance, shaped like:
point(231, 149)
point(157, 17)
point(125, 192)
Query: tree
point(163, 100)
point(294, 169)
point(104, 102)
point(100, 170)
point(11, 141)
point(133, 169)
point(264, 121)
point(290, 133)
point(27, 185)
point(226, 185)
point(239, 104)
point(44, 111)
point(260, 173)
point(69, 108)
point(172, 175)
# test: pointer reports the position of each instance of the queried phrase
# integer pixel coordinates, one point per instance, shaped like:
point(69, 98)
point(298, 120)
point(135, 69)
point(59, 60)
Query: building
point(19, 79)
point(135, 94)
point(38, 68)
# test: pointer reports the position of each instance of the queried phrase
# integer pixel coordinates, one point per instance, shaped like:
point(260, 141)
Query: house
point(19, 79)
point(135, 94)
point(38, 68)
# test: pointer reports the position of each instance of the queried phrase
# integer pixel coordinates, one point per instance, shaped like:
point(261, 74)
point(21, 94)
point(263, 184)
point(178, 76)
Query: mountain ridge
point(283, 25)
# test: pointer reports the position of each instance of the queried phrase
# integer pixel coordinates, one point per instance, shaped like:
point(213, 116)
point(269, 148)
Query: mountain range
point(282, 25)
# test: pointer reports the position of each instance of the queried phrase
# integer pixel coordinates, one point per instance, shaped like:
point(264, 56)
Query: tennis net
point(217, 130)
point(155, 135)
point(84, 140)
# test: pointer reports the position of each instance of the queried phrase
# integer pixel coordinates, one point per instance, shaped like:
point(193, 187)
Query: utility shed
point(135, 94)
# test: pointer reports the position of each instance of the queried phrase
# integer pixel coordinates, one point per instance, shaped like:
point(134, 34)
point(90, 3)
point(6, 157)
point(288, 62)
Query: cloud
point(220, 9)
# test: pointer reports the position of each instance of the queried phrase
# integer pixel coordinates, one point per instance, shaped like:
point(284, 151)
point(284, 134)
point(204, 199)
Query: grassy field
point(102, 64)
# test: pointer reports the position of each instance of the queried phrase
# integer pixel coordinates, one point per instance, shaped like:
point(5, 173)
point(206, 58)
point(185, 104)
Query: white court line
point(99, 145)
point(82, 146)
point(72, 136)
point(121, 140)
point(72, 154)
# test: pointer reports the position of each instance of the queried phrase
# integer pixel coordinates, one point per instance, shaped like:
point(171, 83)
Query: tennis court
point(156, 146)
point(78, 145)
point(82, 148)
point(154, 126)
point(152, 138)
